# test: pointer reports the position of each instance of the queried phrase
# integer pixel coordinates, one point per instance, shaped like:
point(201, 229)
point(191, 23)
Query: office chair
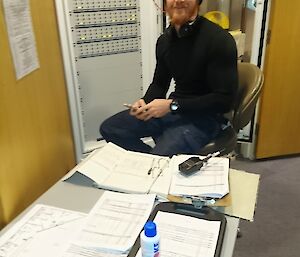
point(250, 83)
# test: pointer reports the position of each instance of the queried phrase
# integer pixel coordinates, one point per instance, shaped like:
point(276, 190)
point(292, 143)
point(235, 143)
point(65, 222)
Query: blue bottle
point(150, 240)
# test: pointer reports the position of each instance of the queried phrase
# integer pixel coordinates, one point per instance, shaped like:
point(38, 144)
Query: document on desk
point(115, 168)
point(162, 185)
point(43, 231)
point(77, 251)
point(115, 222)
point(186, 236)
point(210, 181)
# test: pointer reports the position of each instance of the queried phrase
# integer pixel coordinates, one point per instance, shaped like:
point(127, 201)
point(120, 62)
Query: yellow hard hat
point(219, 18)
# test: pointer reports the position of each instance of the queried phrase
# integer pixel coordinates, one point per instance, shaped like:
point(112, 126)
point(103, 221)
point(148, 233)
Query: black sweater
point(203, 65)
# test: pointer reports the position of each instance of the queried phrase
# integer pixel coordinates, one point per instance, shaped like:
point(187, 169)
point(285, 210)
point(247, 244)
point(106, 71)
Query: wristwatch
point(174, 106)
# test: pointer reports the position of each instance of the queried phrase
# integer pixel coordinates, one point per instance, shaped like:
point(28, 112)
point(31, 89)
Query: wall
point(1, 214)
point(36, 145)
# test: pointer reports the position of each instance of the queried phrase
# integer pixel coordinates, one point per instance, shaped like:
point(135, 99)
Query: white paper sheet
point(114, 168)
point(21, 37)
point(115, 221)
point(243, 191)
point(162, 184)
point(77, 251)
point(51, 242)
point(184, 236)
point(210, 181)
point(40, 232)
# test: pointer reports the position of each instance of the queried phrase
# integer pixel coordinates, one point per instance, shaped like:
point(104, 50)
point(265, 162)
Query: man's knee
point(107, 127)
point(114, 124)
point(103, 130)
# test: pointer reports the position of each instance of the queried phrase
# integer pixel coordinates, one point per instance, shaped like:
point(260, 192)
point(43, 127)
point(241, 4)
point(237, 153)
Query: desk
point(79, 196)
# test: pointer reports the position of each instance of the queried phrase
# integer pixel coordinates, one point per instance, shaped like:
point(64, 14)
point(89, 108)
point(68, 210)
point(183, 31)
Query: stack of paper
point(109, 230)
point(115, 222)
point(211, 181)
point(180, 234)
point(43, 231)
point(117, 169)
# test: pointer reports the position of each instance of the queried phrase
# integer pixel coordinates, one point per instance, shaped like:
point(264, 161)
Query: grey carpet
point(275, 231)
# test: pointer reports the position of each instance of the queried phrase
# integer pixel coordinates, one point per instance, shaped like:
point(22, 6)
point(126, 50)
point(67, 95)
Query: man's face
point(181, 11)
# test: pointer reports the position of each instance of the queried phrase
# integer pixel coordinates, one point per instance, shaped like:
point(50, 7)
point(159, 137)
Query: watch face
point(174, 106)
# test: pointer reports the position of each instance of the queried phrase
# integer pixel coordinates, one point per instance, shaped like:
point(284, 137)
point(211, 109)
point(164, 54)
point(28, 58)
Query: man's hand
point(134, 110)
point(155, 109)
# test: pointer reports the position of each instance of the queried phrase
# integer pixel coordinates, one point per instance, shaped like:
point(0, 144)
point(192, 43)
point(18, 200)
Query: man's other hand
point(155, 109)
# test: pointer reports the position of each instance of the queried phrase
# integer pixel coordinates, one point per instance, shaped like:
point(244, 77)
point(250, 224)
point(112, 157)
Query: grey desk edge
point(82, 198)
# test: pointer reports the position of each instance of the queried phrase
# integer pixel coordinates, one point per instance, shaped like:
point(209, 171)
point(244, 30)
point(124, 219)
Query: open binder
point(204, 213)
point(114, 168)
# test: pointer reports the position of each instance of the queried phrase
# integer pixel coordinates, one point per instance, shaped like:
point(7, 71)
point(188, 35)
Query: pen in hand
point(130, 106)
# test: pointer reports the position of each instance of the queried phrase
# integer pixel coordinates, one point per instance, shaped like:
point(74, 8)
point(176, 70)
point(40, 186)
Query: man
point(201, 57)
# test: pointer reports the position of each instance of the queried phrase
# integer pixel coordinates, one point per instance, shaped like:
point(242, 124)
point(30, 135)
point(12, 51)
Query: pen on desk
point(151, 167)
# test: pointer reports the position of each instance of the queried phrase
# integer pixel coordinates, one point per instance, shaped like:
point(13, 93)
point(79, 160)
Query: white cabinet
point(108, 50)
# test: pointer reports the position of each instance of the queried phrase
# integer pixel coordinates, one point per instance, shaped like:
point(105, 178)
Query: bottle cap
point(150, 229)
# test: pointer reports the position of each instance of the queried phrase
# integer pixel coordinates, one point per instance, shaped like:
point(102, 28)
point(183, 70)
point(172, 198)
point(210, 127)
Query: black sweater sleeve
point(161, 78)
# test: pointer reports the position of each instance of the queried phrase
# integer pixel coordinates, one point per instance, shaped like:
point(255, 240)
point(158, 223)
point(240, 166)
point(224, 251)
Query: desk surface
point(80, 196)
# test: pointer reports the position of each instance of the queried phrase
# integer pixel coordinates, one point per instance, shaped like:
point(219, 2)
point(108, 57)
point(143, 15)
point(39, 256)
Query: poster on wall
point(21, 37)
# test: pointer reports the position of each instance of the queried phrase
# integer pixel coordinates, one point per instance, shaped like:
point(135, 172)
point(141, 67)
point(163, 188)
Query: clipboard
point(188, 210)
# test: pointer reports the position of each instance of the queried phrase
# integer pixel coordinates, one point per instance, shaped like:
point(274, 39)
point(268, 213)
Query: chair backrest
point(250, 84)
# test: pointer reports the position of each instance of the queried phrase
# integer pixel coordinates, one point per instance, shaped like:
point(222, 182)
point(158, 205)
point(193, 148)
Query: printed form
point(185, 236)
point(210, 181)
point(43, 231)
point(77, 251)
point(115, 222)
point(117, 169)
point(109, 230)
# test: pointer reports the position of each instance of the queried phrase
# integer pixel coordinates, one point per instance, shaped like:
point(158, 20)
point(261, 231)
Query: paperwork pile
point(210, 182)
point(117, 169)
point(109, 230)
point(43, 231)
point(115, 222)
point(180, 234)
point(166, 181)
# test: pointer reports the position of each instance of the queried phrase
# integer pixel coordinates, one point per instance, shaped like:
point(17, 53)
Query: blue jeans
point(172, 134)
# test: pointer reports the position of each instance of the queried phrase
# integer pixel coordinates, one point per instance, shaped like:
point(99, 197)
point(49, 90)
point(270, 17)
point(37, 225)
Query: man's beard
point(181, 16)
